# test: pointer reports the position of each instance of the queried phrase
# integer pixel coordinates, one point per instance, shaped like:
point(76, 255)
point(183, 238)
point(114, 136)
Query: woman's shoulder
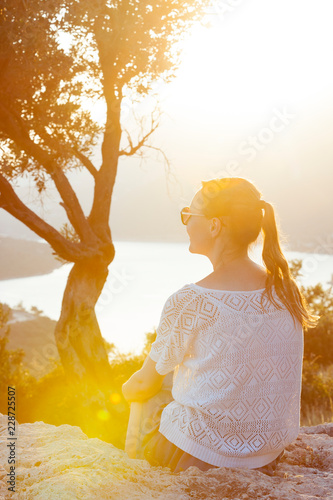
point(176, 304)
point(192, 297)
point(184, 295)
point(186, 291)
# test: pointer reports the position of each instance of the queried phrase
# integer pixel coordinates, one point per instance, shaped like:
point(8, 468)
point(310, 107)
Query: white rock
point(62, 463)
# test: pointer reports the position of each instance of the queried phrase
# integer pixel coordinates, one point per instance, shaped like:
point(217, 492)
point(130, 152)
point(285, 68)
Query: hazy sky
point(253, 98)
point(248, 85)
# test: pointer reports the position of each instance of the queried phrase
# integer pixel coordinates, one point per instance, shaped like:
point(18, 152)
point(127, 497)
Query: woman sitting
point(234, 341)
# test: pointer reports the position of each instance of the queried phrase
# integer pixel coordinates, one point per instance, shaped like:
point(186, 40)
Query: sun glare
point(255, 56)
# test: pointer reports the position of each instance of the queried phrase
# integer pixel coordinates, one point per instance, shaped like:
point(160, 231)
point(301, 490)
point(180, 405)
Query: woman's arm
point(144, 383)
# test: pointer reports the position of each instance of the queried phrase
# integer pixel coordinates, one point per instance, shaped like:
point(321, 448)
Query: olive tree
point(55, 57)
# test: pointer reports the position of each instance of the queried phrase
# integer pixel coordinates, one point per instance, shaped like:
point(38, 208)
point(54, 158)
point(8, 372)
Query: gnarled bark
point(78, 336)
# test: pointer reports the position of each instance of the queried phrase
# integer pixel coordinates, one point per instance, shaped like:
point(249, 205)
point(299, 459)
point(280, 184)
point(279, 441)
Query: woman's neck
point(229, 261)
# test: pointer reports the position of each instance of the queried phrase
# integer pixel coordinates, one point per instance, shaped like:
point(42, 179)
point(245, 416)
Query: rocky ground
point(61, 462)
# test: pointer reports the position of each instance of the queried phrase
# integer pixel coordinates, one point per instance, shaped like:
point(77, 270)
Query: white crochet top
point(237, 375)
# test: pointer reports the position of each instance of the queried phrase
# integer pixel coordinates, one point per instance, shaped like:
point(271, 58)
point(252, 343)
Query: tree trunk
point(77, 334)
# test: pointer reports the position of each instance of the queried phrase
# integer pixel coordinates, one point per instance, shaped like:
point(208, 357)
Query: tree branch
point(16, 130)
point(86, 162)
point(9, 201)
point(134, 149)
point(100, 211)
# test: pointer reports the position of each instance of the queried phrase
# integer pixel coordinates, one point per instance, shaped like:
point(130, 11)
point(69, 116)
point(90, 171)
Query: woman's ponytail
point(279, 273)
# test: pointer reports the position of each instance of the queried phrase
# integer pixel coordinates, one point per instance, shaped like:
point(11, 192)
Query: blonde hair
point(239, 198)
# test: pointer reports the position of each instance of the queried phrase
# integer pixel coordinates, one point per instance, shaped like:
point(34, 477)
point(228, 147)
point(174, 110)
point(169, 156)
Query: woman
point(234, 341)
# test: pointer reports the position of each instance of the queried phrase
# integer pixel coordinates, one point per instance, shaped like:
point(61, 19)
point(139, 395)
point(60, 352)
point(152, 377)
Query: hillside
point(20, 258)
point(35, 335)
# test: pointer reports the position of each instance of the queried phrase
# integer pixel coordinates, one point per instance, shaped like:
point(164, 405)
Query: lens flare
point(115, 398)
point(103, 415)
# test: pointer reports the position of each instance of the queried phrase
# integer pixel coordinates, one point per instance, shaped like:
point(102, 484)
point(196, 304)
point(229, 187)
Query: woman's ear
point(216, 226)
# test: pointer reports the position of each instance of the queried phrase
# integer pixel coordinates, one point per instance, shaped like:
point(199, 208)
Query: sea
point(141, 278)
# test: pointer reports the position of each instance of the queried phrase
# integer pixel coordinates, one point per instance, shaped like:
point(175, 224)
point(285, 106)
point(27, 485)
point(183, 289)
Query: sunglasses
point(185, 215)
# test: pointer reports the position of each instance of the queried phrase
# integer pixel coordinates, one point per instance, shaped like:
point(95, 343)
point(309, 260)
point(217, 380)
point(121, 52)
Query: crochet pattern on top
point(237, 375)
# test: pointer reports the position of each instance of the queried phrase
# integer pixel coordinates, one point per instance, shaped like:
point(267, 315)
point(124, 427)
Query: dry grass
point(316, 415)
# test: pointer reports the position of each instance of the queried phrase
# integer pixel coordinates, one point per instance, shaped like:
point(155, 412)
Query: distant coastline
point(22, 257)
